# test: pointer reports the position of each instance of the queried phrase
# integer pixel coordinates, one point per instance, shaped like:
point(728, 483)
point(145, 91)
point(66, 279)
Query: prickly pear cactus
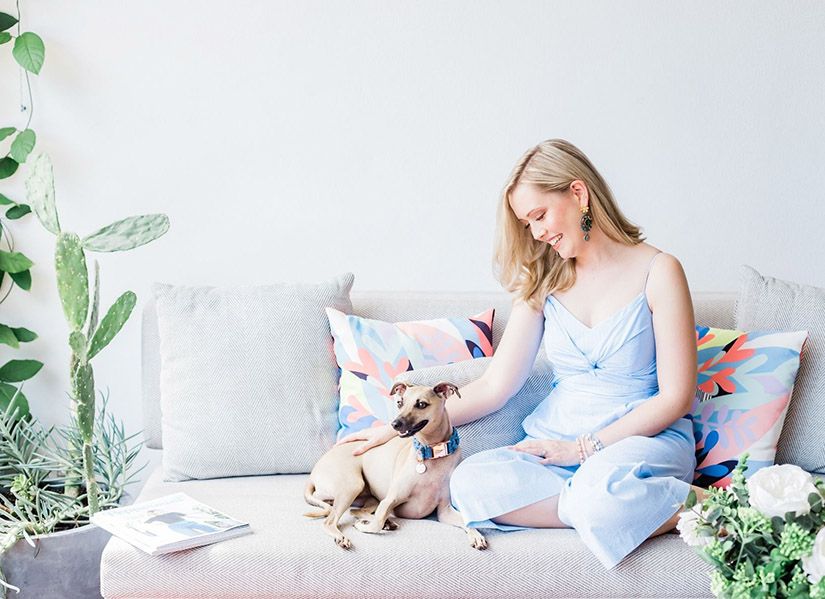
point(72, 279)
point(73, 287)
point(127, 233)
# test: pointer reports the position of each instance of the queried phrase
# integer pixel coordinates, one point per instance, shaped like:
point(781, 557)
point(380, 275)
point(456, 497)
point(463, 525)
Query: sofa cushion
point(768, 303)
point(247, 377)
point(289, 556)
point(370, 353)
point(500, 428)
point(745, 380)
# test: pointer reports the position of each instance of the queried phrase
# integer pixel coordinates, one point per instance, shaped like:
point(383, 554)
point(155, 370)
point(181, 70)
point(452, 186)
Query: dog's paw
point(343, 542)
point(367, 526)
point(390, 525)
point(477, 541)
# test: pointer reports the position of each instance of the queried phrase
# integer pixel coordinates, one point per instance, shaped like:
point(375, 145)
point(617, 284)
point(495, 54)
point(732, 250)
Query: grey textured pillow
point(769, 303)
point(499, 428)
point(248, 379)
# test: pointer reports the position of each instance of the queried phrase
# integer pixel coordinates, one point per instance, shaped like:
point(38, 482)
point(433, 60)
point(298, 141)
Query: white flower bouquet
point(765, 535)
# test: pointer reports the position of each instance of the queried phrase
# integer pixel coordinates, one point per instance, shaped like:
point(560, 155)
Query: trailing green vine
point(15, 267)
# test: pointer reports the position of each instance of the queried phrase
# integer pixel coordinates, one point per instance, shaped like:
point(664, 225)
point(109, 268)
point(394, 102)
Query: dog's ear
point(398, 388)
point(444, 390)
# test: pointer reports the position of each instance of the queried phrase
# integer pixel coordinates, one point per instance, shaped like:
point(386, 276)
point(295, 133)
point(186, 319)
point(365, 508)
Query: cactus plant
point(80, 310)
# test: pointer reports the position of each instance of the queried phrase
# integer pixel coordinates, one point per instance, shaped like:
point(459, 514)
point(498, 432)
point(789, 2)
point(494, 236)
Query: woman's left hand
point(558, 453)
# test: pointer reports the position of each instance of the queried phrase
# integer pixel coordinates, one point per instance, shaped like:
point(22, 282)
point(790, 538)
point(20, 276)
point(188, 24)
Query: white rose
point(688, 521)
point(779, 489)
point(814, 564)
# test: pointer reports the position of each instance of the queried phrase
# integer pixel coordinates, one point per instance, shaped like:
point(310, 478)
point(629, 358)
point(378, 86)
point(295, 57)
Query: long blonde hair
point(531, 269)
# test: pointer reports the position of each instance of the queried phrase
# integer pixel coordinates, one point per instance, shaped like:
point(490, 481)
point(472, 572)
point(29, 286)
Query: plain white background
point(292, 141)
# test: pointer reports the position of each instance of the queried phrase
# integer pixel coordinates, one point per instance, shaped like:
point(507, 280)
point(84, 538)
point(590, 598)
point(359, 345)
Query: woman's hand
point(558, 453)
point(374, 436)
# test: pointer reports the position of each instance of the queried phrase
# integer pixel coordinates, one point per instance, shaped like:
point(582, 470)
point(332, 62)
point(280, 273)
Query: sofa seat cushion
point(289, 555)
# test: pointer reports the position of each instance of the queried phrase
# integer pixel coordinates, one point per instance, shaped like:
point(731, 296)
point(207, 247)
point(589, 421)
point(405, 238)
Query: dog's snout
point(397, 424)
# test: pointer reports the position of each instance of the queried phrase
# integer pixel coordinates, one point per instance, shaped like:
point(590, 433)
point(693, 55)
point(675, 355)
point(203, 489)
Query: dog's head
point(419, 406)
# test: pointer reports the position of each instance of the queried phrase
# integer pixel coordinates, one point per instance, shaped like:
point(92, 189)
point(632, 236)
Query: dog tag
point(420, 467)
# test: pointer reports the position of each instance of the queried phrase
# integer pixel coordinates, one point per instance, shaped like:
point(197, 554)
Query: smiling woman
point(609, 451)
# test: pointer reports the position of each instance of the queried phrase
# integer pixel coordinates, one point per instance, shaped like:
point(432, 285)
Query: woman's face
point(550, 216)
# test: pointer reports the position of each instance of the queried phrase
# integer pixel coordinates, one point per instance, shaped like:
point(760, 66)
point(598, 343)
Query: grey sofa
point(289, 556)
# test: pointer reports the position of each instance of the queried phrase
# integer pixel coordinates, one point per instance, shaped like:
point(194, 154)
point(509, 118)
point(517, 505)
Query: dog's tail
point(326, 508)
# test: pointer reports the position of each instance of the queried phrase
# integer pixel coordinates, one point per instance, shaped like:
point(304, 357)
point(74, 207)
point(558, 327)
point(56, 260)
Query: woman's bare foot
point(671, 523)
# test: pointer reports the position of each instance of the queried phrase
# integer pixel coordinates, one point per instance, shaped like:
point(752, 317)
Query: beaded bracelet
point(597, 444)
point(580, 447)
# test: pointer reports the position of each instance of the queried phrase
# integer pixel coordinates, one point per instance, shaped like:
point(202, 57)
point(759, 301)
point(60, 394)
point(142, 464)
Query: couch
point(289, 555)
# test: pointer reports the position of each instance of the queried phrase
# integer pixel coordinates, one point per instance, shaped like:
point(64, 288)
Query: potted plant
point(52, 481)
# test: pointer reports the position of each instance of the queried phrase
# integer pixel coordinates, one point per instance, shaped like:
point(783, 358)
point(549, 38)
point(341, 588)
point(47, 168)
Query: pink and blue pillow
point(745, 380)
point(371, 353)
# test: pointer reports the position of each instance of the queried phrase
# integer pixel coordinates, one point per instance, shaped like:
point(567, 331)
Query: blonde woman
point(609, 452)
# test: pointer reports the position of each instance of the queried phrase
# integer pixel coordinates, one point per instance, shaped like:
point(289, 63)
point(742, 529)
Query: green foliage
point(114, 320)
point(128, 233)
point(7, 21)
point(22, 145)
point(40, 193)
point(35, 468)
point(753, 555)
point(72, 279)
point(29, 52)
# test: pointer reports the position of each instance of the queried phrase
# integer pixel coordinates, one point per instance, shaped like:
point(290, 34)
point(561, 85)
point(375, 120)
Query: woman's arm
point(675, 334)
point(508, 370)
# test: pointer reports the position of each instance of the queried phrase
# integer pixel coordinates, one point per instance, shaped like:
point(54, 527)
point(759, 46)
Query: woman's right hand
point(374, 436)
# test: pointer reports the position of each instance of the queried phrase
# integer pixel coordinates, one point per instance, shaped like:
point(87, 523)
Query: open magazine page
point(169, 523)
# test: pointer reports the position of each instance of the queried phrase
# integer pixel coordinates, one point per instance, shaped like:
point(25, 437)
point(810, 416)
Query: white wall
point(298, 140)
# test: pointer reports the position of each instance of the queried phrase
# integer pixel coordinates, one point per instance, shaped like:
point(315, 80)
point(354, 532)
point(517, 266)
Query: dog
point(408, 476)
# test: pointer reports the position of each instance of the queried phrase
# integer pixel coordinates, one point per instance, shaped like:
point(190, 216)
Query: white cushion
point(248, 380)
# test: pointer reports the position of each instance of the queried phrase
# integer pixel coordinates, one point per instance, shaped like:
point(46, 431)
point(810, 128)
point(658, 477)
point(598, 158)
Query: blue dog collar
point(439, 450)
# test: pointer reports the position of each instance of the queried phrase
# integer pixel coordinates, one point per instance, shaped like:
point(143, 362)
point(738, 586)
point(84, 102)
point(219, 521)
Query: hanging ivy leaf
point(22, 145)
point(7, 21)
point(29, 52)
point(16, 371)
point(5, 201)
point(5, 36)
point(8, 337)
point(8, 166)
point(14, 262)
point(23, 279)
point(24, 335)
point(18, 211)
point(5, 132)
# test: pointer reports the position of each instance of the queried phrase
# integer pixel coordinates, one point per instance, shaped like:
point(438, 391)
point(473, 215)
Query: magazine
point(169, 523)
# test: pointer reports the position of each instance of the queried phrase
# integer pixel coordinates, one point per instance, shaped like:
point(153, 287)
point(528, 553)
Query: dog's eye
point(398, 403)
point(420, 405)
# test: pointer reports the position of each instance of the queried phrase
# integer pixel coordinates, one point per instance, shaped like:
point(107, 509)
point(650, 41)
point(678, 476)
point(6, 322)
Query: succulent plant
point(87, 336)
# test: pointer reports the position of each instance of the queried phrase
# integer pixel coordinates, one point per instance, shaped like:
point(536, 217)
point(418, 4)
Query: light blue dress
point(623, 493)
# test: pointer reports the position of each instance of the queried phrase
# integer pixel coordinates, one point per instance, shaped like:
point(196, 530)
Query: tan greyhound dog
point(408, 476)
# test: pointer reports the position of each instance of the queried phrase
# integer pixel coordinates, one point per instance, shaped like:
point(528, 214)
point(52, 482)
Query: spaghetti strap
point(649, 267)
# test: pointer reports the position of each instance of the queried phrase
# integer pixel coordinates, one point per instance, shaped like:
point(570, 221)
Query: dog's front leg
point(449, 515)
point(379, 521)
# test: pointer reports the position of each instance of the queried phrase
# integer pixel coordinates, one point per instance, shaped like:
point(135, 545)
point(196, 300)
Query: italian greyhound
point(408, 476)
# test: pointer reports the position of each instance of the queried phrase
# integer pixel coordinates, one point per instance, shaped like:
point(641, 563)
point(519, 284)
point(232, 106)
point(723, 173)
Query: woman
point(609, 451)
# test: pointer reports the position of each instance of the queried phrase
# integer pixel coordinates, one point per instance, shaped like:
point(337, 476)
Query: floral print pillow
point(745, 380)
point(370, 353)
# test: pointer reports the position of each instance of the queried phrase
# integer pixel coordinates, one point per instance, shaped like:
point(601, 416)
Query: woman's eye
point(540, 217)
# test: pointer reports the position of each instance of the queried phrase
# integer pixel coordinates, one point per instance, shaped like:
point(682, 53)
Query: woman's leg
point(542, 514)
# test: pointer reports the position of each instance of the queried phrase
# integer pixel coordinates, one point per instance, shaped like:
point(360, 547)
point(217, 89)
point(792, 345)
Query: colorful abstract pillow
point(745, 380)
point(370, 353)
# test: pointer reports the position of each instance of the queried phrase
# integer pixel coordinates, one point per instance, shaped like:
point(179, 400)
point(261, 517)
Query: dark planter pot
point(63, 564)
